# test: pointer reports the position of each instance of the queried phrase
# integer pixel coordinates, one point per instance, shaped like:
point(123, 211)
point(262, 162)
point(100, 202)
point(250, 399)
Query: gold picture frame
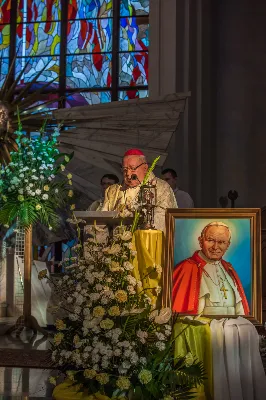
point(216, 214)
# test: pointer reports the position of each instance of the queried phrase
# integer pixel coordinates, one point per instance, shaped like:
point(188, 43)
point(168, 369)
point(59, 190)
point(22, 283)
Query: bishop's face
point(134, 165)
point(215, 242)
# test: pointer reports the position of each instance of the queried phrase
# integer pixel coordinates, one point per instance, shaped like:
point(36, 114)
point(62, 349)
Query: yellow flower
point(76, 339)
point(113, 250)
point(145, 376)
point(70, 193)
point(123, 383)
point(58, 337)
point(115, 266)
point(4, 198)
point(72, 207)
point(127, 235)
point(107, 323)
point(189, 360)
point(69, 176)
point(38, 207)
point(52, 380)
point(67, 159)
point(20, 197)
point(71, 375)
point(121, 296)
point(62, 167)
point(46, 188)
point(98, 311)
point(102, 378)
point(89, 373)
point(42, 274)
point(60, 325)
point(70, 182)
point(114, 311)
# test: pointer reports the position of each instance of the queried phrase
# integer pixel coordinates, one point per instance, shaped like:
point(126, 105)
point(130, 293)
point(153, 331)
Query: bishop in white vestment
point(126, 196)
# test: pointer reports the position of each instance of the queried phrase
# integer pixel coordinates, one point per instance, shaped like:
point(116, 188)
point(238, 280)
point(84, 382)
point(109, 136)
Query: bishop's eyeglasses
point(132, 169)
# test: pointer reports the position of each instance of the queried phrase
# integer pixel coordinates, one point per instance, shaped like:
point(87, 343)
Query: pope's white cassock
point(218, 292)
point(117, 196)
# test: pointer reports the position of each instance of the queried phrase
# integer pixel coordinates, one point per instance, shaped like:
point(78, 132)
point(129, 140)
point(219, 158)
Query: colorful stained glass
point(134, 34)
point(3, 70)
point(37, 64)
point(134, 7)
point(38, 39)
point(87, 71)
point(4, 40)
point(5, 8)
point(38, 10)
point(89, 9)
point(87, 36)
point(85, 98)
point(133, 69)
point(133, 94)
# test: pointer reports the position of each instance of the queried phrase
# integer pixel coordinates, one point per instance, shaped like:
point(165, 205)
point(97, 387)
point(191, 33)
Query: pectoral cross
point(224, 290)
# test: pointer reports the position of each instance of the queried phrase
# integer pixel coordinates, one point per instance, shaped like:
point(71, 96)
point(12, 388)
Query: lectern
point(110, 219)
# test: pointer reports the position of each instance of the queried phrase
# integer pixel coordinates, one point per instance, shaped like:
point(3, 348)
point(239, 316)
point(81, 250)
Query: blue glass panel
point(36, 39)
point(87, 71)
point(133, 69)
point(87, 36)
point(85, 98)
point(38, 10)
point(134, 7)
point(134, 34)
point(89, 9)
point(36, 64)
point(133, 94)
point(3, 70)
point(4, 40)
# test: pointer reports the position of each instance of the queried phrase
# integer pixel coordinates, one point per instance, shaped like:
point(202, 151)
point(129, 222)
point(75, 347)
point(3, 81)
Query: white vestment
point(213, 300)
point(117, 196)
point(238, 372)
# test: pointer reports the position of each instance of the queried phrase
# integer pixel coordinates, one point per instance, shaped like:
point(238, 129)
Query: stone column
point(180, 35)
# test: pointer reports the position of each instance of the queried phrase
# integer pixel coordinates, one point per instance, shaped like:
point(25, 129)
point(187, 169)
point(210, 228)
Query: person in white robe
point(126, 195)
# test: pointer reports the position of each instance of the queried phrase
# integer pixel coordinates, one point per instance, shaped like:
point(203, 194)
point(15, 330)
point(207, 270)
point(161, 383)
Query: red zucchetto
point(133, 152)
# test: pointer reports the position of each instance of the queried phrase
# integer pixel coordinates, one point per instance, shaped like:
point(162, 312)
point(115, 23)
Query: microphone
point(134, 177)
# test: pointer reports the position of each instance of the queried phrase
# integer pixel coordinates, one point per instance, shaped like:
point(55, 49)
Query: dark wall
point(239, 73)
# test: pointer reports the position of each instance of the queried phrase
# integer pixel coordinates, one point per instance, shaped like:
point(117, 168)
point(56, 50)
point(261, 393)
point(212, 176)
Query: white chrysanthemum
point(45, 196)
point(160, 346)
point(131, 280)
point(38, 191)
point(160, 336)
point(128, 266)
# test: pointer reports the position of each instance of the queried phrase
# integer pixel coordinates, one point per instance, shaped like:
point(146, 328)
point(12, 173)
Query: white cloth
point(183, 199)
point(238, 372)
point(212, 300)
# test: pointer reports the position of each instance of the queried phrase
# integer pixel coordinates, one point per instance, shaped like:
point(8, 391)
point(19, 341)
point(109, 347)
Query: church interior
point(132, 204)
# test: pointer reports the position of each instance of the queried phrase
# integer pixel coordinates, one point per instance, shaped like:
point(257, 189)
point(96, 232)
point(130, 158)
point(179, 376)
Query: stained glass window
point(92, 51)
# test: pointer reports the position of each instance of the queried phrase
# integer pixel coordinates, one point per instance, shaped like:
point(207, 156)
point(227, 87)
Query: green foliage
point(30, 187)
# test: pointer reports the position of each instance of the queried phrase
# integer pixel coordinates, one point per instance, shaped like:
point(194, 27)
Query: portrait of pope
point(205, 283)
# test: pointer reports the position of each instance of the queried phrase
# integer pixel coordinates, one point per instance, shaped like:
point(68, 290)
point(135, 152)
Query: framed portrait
point(213, 263)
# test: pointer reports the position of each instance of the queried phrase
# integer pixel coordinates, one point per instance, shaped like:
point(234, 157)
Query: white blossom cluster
point(32, 171)
point(111, 328)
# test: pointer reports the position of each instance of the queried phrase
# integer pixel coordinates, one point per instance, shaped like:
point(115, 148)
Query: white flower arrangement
point(29, 190)
point(112, 340)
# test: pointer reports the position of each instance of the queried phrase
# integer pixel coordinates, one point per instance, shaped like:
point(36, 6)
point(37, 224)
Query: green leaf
point(136, 394)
